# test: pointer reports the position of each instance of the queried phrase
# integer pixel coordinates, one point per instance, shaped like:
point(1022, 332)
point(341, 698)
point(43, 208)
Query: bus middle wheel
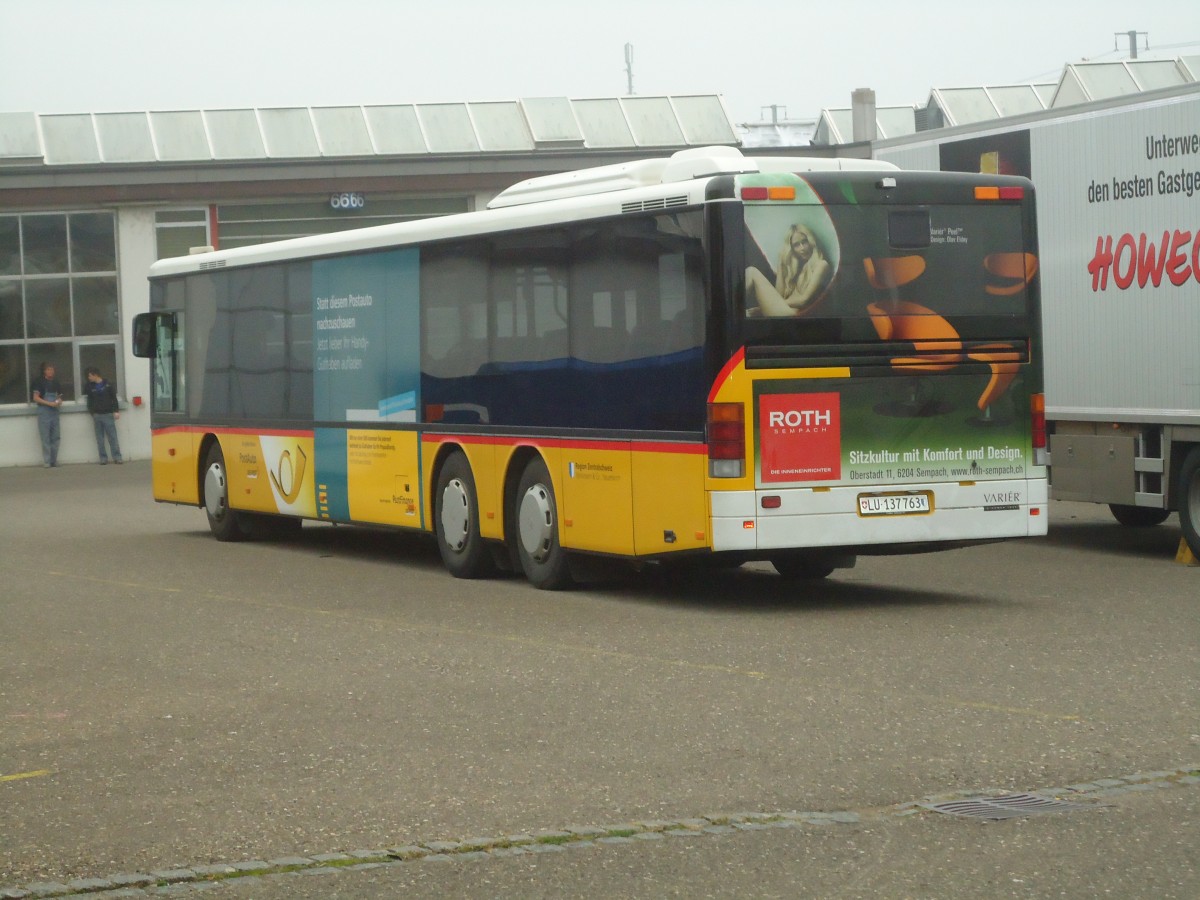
point(542, 557)
point(456, 521)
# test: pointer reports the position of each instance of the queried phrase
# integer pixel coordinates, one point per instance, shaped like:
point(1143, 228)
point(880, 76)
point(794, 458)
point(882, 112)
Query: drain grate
point(1007, 806)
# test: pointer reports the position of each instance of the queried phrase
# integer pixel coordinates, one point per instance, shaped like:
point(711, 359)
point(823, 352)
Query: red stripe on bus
point(726, 371)
point(566, 444)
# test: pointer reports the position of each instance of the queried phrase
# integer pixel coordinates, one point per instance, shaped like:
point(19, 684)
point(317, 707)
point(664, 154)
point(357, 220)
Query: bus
point(708, 357)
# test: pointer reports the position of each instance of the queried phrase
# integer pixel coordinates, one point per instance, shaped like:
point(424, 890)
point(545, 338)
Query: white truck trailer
point(1118, 192)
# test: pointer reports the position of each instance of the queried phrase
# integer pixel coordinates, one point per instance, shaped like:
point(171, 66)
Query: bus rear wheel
point(226, 524)
point(1189, 500)
point(542, 557)
point(801, 566)
point(1138, 516)
point(456, 519)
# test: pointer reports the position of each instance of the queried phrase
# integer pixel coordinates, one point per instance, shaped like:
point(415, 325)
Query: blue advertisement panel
point(333, 494)
point(366, 339)
point(366, 357)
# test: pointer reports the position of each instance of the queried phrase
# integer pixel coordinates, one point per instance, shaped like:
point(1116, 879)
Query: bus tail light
point(994, 192)
point(1037, 415)
point(773, 192)
point(726, 434)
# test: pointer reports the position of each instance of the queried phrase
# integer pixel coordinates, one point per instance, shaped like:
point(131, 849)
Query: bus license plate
point(907, 504)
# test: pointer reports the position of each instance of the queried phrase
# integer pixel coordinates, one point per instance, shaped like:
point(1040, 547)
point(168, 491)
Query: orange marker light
point(987, 193)
point(781, 193)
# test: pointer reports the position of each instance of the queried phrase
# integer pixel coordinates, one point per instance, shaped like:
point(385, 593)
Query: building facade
point(89, 201)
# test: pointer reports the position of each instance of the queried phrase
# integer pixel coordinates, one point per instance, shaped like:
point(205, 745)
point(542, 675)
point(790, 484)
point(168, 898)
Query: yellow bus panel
point(596, 498)
point(174, 469)
point(270, 473)
point(382, 476)
point(669, 508)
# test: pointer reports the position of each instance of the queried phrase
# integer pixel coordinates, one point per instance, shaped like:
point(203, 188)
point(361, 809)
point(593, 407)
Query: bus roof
point(686, 165)
point(581, 194)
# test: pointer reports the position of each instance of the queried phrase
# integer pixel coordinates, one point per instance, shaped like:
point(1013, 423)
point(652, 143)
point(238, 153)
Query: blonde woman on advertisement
point(803, 274)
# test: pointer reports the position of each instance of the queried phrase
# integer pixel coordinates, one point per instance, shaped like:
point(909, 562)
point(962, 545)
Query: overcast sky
point(117, 55)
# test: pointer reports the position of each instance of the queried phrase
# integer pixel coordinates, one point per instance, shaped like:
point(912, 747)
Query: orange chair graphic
point(1016, 270)
point(902, 320)
point(932, 336)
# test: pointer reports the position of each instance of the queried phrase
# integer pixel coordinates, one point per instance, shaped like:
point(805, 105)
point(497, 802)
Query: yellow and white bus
point(784, 359)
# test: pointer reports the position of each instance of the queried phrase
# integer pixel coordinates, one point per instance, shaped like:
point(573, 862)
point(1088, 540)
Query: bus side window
point(159, 337)
point(454, 287)
point(168, 363)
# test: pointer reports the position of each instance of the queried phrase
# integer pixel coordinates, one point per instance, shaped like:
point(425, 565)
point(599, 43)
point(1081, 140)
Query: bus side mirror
point(145, 335)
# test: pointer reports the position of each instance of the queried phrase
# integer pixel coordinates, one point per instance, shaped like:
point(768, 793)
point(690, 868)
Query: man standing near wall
point(47, 394)
point(102, 404)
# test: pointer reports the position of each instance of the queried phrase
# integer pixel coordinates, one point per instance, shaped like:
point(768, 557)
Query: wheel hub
point(536, 522)
point(214, 491)
point(456, 514)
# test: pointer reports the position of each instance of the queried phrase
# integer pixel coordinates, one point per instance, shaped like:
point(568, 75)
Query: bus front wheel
point(542, 557)
point(1189, 500)
point(226, 524)
point(456, 517)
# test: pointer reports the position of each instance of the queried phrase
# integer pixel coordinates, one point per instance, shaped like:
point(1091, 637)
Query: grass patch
point(621, 832)
point(557, 839)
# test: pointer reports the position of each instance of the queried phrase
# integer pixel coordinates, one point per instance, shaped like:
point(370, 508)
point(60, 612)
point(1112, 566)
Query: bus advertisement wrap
point(366, 333)
point(899, 432)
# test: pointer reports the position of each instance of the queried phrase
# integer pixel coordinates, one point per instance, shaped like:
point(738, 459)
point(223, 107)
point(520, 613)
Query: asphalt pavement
point(335, 716)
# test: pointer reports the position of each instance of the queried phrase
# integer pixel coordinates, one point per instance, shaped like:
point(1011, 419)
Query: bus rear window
point(828, 270)
point(908, 229)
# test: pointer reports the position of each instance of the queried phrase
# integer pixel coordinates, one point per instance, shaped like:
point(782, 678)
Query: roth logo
point(800, 418)
point(800, 437)
point(1177, 255)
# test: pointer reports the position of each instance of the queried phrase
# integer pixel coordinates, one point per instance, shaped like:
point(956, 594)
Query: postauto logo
point(800, 437)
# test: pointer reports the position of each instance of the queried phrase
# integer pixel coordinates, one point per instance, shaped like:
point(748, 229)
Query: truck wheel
point(536, 516)
point(1189, 500)
point(1138, 516)
point(226, 524)
point(456, 520)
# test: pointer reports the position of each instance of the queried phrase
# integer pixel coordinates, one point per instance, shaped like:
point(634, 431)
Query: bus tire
point(801, 566)
point(1189, 500)
point(226, 524)
point(542, 557)
point(456, 521)
point(1138, 516)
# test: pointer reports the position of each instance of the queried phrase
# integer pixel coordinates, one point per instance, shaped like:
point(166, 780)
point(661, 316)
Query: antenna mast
point(1133, 41)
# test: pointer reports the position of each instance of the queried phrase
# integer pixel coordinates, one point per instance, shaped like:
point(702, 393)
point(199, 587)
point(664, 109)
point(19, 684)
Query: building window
point(58, 299)
point(177, 231)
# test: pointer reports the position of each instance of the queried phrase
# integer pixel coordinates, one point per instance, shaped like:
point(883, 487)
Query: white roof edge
point(685, 165)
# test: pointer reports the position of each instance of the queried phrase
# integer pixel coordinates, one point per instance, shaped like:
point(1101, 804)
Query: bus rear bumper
point(804, 517)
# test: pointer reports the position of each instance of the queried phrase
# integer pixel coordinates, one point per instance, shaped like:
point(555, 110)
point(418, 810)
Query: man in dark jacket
point(102, 404)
